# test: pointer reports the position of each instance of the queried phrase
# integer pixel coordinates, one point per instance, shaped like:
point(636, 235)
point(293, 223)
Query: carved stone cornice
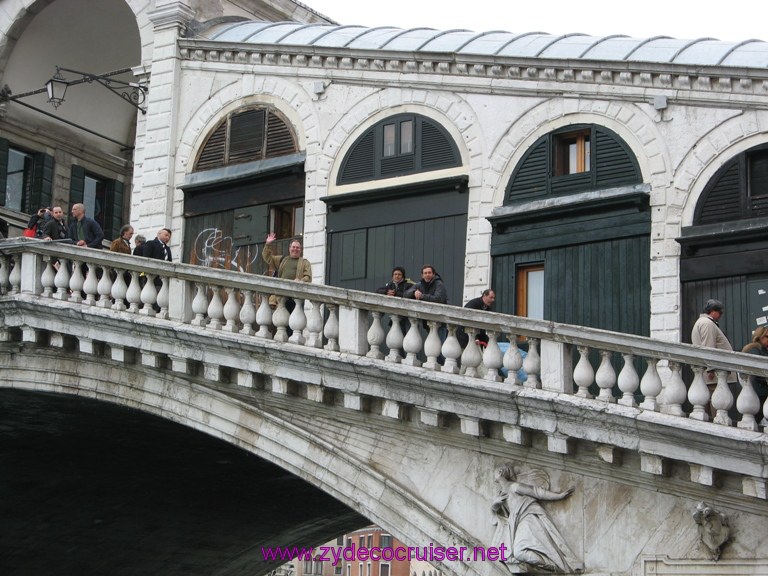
point(171, 15)
point(721, 83)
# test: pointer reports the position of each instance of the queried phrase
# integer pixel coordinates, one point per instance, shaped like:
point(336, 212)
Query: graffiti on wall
point(215, 250)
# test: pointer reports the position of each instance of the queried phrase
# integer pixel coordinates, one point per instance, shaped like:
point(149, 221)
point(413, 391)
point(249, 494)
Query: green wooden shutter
point(76, 186)
point(3, 169)
point(42, 184)
point(113, 217)
point(530, 178)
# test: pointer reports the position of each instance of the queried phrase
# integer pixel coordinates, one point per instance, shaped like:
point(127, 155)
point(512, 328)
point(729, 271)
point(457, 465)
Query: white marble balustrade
point(559, 358)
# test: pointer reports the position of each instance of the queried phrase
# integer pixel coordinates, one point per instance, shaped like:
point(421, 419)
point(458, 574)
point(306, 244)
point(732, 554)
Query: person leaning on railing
point(759, 346)
point(289, 267)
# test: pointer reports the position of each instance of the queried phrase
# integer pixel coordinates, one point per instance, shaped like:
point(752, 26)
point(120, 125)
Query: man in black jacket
point(85, 231)
point(158, 248)
point(55, 229)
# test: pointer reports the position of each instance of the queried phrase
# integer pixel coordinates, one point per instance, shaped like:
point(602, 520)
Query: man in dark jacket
point(55, 229)
point(158, 248)
point(398, 285)
point(430, 288)
point(482, 302)
point(85, 231)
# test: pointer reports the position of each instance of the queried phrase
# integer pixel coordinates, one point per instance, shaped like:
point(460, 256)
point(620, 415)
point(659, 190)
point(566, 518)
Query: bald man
point(85, 231)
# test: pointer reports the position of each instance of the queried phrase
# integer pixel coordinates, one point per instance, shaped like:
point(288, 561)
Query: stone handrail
point(350, 322)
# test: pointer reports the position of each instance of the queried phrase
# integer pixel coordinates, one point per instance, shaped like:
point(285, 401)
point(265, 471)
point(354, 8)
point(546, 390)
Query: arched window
point(246, 135)
point(576, 158)
point(397, 146)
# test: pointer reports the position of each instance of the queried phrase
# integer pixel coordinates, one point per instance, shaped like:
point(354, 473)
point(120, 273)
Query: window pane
point(389, 140)
point(406, 137)
point(386, 541)
point(383, 569)
point(19, 179)
point(95, 198)
point(536, 294)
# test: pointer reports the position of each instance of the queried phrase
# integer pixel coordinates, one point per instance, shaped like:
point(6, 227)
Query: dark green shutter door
point(530, 178)
point(113, 218)
point(3, 169)
point(42, 183)
point(77, 186)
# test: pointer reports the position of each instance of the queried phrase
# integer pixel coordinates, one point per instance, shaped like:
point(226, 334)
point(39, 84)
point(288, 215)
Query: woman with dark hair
point(398, 285)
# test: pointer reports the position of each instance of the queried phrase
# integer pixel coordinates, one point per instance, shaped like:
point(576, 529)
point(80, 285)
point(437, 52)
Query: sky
point(733, 20)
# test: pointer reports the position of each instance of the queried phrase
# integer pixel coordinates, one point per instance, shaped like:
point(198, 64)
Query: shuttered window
point(247, 135)
point(573, 159)
point(26, 178)
point(739, 190)
point(397, 146)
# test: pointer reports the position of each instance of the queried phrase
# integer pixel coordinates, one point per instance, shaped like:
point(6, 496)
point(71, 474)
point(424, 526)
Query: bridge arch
point(262, 432)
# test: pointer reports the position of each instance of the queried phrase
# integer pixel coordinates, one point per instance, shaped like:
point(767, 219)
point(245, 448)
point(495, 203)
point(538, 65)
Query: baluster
point(650, 385)
point(605, 378)
point(91, 285)
point(62, 280)
point(297, 321)
point(532, 364)
point(628, 381)
point(764, 423)
point(331, 329)
point(4, 274)
point(163, 298)
point(247, 313)
point(722, 399)
point(375, 337)
point(395, 339)
point(315, 326)
point(281, 318)
point(15, 276)
point(215, 309)
point(119, 291)
point(675, 392)
point(412, 344)
point(76, 282)
point(471, 357)
point(451, 352)
point(747, 404)
point(432, 347)
point(149, 296)
point(48, 278)
point(698, 395)
point(199, 305)
point(104, 288)
point(493, 359)
point(232, 311)
point(264, 317)
point(133, 294)
point(513, 361)
point(583, 374)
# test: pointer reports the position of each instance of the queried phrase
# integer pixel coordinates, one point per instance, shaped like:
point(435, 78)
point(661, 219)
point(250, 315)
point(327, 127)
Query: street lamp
point(57, 88)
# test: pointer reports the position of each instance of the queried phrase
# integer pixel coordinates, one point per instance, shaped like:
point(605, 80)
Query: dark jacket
point(433, 291)
point(154, 249)
point(399, 288)
point(474, 304)
point(55, 230)
point(139, 250)
point(94, 235)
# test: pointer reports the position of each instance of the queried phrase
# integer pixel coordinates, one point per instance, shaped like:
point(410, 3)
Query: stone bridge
point(352, 421)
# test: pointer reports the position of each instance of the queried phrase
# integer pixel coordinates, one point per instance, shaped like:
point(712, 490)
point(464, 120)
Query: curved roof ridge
point(557, 39)
point(231, 27)
point(515, 38)
point(402, 32)
point(479, 35)
point(735, 47)
point(643, 43)
point(267, 27)
point(367, 31)
point(299, 29)
point(687, 45)
point(599, 41)
point(332, 29)
point(442, 33)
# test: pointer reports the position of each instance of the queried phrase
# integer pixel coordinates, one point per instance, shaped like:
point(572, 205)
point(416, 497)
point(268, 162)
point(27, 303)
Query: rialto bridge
point(289, 429)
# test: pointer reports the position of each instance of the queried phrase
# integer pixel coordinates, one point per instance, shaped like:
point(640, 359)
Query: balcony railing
point(352, 322)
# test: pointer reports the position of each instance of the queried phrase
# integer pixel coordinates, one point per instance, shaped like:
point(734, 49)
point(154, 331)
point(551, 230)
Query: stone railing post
point(556, 367)
point(31, 273)
point(353, 330)
point(180, 299)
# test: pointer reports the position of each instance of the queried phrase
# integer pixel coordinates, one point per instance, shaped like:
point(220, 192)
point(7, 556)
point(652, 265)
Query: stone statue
point(532, 542)
point(713, 528)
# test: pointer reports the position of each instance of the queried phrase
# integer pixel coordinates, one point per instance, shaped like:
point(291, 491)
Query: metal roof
point(658, 49)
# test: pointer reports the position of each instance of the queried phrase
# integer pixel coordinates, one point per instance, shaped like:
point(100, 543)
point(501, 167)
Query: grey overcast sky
point(725, 20)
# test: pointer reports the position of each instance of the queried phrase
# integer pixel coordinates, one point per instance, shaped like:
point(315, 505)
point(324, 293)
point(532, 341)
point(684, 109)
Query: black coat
point(154, 249)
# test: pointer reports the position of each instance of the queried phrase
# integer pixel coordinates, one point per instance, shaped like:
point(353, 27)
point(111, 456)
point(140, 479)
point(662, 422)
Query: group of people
point(49, 224)
point(707, 333)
